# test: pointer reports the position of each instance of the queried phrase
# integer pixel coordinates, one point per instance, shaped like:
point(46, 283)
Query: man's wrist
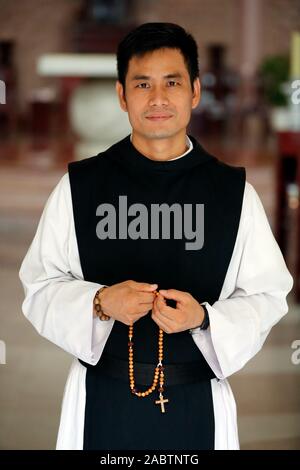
point(205, 322)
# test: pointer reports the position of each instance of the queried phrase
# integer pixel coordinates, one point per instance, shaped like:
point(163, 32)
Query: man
point(154, 265)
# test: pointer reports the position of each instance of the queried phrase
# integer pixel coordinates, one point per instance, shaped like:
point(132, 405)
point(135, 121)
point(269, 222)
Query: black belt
point(175, 374)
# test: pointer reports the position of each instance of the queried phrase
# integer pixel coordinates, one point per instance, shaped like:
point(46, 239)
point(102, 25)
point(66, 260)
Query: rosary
point(158, 374)
point(159, 369)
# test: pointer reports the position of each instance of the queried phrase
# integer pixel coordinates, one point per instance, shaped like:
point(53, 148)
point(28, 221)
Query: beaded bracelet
point(97, 305)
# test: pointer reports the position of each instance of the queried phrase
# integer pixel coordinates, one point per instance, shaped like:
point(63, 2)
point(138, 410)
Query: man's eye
point(172, 81)
point(140, 85)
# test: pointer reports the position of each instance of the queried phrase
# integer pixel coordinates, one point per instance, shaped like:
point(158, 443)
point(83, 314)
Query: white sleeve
point(253, 297)
point(58, 302)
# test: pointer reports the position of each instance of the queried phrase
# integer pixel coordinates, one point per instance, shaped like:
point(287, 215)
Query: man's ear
point(196, 93)
point(121, 95)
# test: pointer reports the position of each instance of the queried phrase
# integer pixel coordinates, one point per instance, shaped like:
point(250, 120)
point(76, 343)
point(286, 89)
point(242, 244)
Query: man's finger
point(144, 286)
point(174, 294)
point(145, 297)
point(163, 308)
point(160, 321)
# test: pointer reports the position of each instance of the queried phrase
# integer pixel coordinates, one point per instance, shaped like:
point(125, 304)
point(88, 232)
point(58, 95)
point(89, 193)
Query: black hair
point(149, 37)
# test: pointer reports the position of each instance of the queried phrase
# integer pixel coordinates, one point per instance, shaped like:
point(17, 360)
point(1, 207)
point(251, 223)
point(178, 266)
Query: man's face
point(158, 94)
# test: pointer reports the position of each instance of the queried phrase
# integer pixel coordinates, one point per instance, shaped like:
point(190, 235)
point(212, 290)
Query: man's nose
point(158, 97)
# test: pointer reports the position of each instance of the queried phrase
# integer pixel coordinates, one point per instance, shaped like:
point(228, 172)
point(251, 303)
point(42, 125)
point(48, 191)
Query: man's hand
point(187, 314)
point(128, 301)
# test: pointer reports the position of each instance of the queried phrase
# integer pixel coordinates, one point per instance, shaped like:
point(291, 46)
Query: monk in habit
point(155, 267)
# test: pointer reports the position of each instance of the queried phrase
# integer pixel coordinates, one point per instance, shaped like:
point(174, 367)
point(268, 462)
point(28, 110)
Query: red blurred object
point(288, 171)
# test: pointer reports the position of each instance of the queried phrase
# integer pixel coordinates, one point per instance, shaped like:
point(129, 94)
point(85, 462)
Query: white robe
point(58, 302)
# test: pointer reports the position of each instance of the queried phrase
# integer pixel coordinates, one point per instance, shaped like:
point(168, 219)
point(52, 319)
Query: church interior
point(58, 104)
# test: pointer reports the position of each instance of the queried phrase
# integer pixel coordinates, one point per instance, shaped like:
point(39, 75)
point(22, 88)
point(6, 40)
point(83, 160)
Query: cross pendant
point(162, 402)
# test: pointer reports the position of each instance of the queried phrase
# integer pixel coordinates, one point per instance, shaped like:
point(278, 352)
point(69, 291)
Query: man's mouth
point(159, 117)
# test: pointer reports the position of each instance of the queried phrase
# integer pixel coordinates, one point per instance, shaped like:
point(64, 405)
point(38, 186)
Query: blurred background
point(57, 104)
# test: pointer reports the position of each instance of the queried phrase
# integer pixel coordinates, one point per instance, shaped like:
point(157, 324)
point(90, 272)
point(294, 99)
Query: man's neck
point(160, 149)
